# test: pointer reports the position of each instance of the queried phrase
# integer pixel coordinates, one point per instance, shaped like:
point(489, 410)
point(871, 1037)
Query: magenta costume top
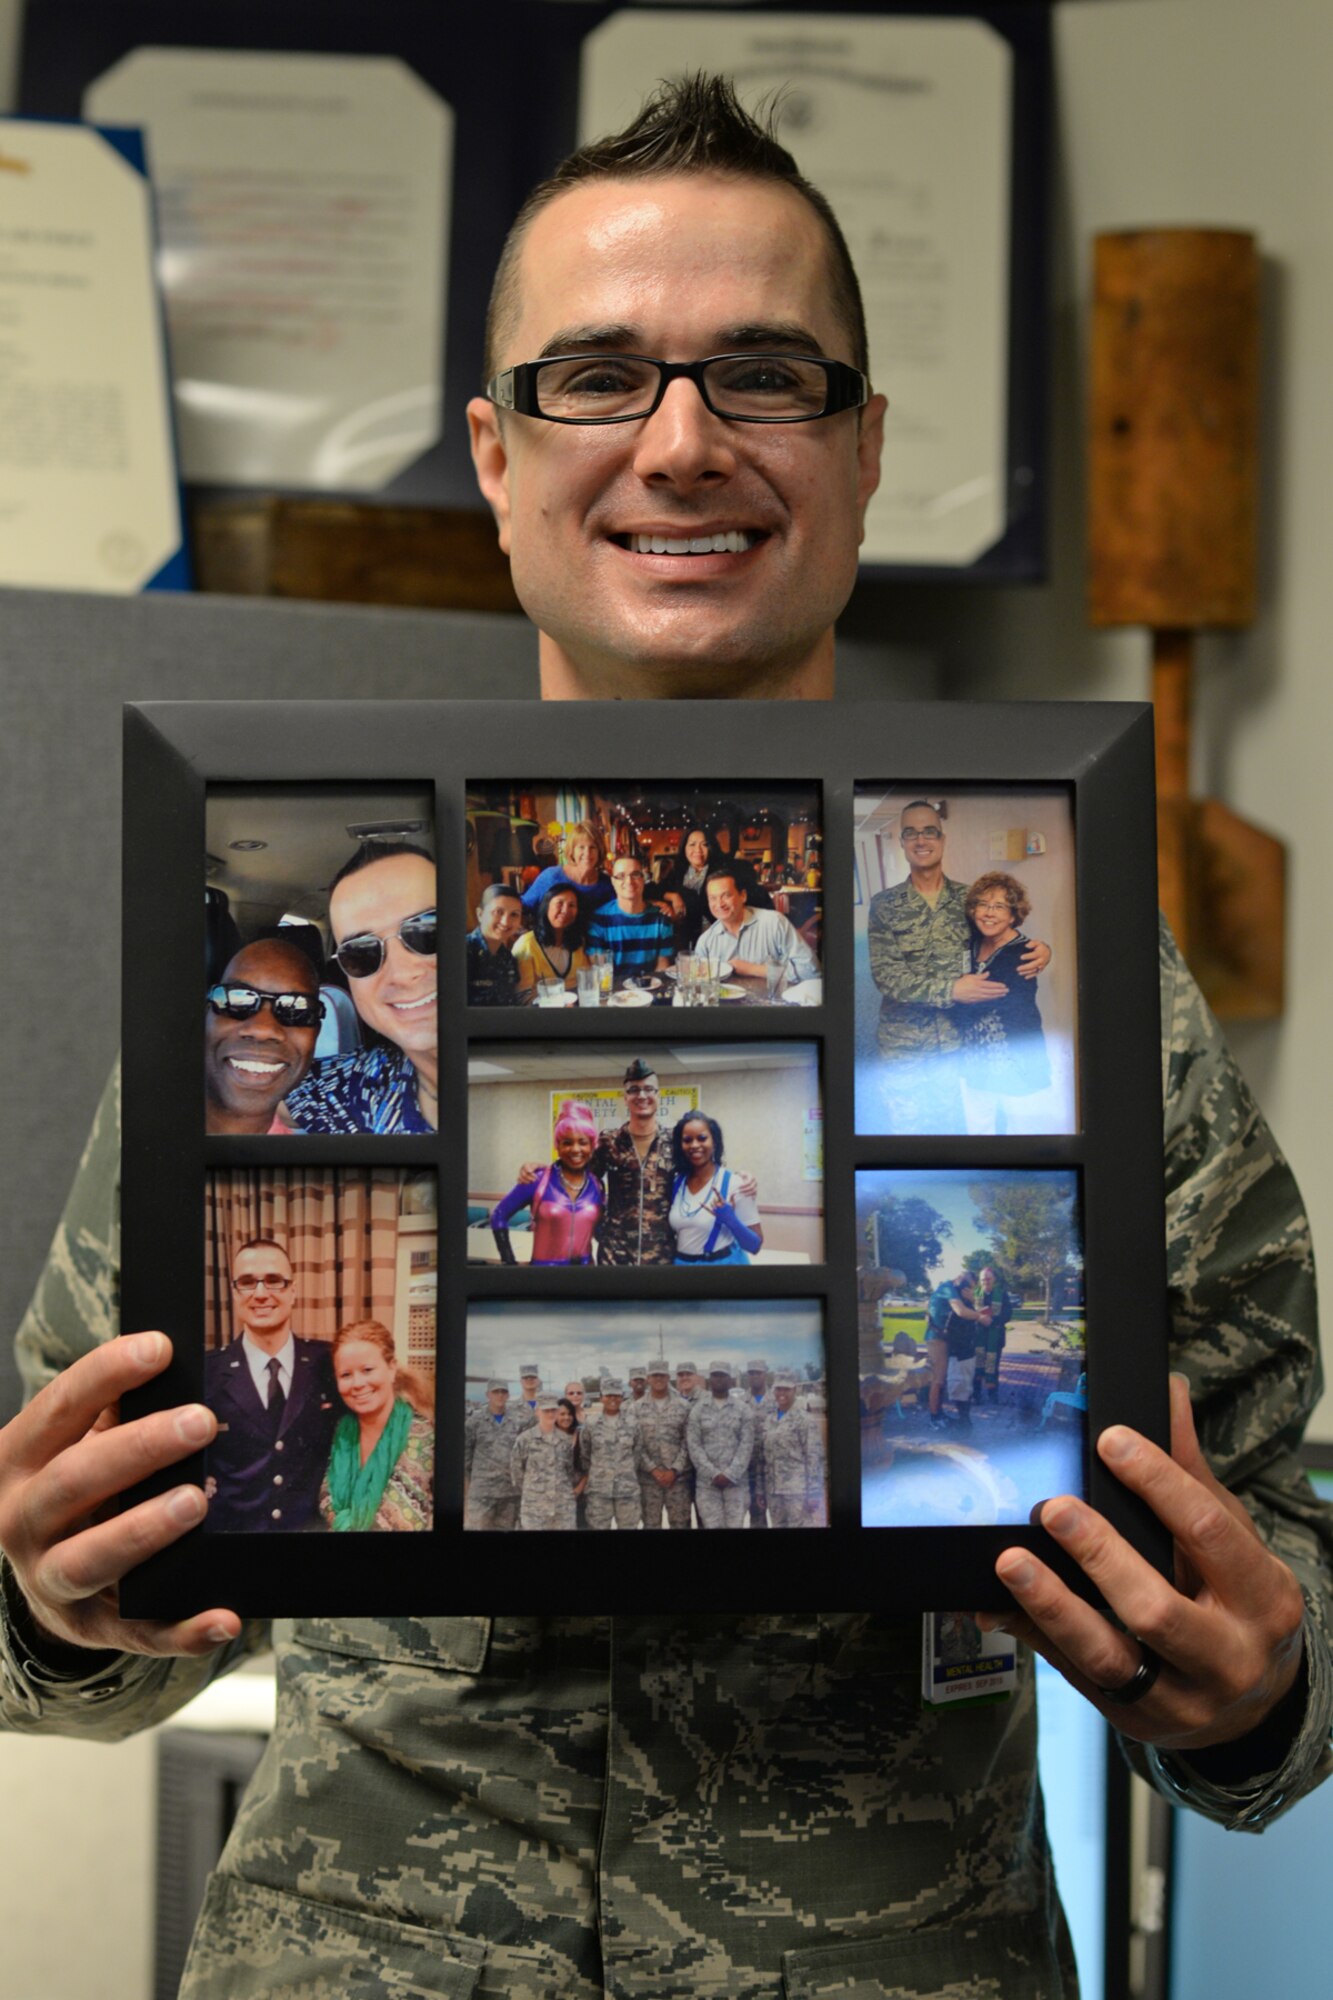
point(562, 1224)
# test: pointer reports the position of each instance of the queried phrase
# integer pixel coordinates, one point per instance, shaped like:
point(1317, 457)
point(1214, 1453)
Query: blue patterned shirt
point(372, 1091)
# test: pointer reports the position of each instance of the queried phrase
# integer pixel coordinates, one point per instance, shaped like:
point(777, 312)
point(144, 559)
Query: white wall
point(1210, 112)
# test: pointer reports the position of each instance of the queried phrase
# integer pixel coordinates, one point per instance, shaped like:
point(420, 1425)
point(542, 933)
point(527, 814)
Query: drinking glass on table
point(550, 992)
point(589, 986)
point(775, 977)
point(602, 960)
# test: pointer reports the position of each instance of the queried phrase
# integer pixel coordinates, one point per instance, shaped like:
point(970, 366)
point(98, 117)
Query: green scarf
point(356, 1490)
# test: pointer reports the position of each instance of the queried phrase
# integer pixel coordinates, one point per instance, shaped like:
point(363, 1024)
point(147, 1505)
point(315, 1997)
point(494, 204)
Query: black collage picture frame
point(901, 1194)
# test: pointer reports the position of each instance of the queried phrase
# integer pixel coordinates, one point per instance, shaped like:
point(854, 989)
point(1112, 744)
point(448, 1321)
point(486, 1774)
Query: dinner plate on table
point(631, 996)
point(730, 992)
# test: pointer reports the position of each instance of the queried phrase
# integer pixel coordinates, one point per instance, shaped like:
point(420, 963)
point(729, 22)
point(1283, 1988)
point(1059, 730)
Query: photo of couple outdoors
point(320, 1011)
point(966, 962)
point(320, 1364)
point(973, 1345)
point(562, 1431)
point(635, 896)
point(694, 1156)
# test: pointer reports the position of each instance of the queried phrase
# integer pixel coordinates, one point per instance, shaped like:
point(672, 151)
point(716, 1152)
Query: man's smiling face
point(763, 520)
point(399, 998)
point(250, 1065)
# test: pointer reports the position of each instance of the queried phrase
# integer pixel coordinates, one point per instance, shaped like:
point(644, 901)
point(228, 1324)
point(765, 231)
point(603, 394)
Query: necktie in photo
point(277, 1401)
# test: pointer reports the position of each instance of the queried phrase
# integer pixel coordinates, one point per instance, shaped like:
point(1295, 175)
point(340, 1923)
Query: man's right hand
point(974, 987)
point(63, 1460)
point(529, 1171)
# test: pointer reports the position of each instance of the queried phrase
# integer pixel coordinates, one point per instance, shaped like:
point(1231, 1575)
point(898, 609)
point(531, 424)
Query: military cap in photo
point(546, 1401)
point(815, 1405)
point(497, 1382)
point(755, 1362)
point(722, 1368)
point(528, 1368)
point(639, 1372)
point(639, 1071)
point(659, 1367)
point(612, 1385)
point(786, 1378)
point(686, 1368)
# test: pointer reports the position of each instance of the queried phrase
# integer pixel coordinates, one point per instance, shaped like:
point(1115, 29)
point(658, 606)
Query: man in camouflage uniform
point(610, 1449)
point(756, 1388)
point(543, 1471)
point(690, 1384)
point(749, 1807)
point(530, 1388)
point(665, 1474)
point(489, 1437)
point(720, 1435)
point(994, 1297)
point(793, 1454)
point(634, 1165)
point(917, 936)
point(638, 1383)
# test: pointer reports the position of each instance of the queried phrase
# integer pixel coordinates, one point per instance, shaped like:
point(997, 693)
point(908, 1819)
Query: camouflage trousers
point(650, 1809)
point(720, 1506)
point(675, 1501)
point(789, 1510)
point(625, 1509)
point(501, 1515)
point(919, 1094)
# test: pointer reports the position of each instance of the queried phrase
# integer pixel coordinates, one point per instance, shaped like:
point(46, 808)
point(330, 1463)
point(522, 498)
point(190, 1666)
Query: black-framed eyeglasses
point(921, 833)
point(621, 388)
point(363, 954)
point(289, 1010)
point(272, 1281)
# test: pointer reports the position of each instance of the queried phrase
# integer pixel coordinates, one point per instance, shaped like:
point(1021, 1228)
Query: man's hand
point(62, 1460)
point(974, 987)
point(529, 1171)
point(720, 1480)
point(664, 1475)
point(1034, 960)
point(1228, 1632)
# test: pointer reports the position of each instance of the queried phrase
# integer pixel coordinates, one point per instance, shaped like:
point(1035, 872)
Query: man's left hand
point(1227, 1632)
point(1034, 960)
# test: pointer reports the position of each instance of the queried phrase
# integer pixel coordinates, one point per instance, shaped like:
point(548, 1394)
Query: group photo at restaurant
point(584, 894)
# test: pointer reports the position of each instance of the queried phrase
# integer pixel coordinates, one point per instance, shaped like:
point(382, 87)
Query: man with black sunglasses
point(382, 917)
point(259, 1036)
point(274, 1398)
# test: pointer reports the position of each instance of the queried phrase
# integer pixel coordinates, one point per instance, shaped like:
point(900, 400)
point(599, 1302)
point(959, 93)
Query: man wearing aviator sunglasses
point(382, 917)
point(259, 1036)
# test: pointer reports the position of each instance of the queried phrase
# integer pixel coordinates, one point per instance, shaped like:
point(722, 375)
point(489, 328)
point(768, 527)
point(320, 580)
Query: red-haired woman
point(382, 1461)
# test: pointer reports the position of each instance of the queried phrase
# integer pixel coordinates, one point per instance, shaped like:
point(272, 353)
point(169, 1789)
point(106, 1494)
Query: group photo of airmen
point(966, 960)
point(571, 1436)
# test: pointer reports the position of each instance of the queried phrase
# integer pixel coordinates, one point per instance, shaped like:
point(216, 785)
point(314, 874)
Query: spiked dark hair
point(692, 124)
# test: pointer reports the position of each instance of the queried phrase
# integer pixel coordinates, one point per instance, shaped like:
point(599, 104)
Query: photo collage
point(695, 1148)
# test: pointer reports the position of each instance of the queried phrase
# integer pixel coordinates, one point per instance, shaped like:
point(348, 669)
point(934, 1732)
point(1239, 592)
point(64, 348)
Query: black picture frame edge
point(174, 750)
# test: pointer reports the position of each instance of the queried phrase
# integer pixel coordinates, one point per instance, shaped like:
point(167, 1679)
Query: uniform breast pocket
point(449, 1645)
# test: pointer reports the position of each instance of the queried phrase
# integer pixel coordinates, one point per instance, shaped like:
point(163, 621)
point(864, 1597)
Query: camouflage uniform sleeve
point(59, 1690)
point(1245, 1332)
